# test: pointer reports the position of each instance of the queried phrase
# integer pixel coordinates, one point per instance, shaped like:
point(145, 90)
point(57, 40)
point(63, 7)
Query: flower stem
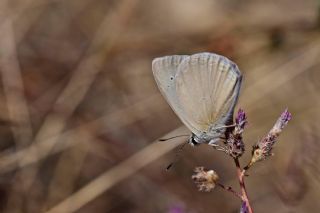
point(240, 175)
point(230, 189)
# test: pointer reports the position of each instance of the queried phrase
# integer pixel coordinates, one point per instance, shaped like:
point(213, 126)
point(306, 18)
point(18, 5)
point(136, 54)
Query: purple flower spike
point(282, 122)
point(263, 148)
point(235, 146)
point(241, 119)
point(286, 116)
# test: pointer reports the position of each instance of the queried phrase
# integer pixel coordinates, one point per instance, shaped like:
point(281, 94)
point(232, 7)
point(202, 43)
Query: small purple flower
point(281, 122)
point(263, 148)
point(241, 119)
point(176, 209)
point(235, 146)
point(244, 208)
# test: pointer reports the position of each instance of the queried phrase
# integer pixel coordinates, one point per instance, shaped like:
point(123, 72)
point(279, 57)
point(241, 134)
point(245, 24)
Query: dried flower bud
point(235, 145)
point(263, 148)
point(205, 180)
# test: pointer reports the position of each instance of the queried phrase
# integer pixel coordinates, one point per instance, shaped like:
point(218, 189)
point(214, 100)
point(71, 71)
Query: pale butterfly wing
point(207, 88)
point(164, 71)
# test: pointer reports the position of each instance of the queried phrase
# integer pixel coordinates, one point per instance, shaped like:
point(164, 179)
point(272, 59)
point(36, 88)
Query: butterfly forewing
point(207, 88)
point(164, 71)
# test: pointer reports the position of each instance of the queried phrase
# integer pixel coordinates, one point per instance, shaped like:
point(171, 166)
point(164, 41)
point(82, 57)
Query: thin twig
point(230, 189)
point(247, 167)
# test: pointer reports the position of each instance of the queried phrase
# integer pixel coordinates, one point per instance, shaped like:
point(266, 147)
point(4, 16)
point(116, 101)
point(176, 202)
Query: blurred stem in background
point(318, 14)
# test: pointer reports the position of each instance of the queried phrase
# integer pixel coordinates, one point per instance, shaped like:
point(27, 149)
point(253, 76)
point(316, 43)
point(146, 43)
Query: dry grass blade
point(80, 82)
point(12, 83)
point(283, 74)
point(118, 173)
point(39, 151)
point(68, 168)
point(71, 96)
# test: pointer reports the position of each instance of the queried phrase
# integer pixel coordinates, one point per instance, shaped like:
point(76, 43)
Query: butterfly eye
point(192, 141)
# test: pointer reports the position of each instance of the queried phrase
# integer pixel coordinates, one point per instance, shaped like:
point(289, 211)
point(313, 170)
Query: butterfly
point(202, 89)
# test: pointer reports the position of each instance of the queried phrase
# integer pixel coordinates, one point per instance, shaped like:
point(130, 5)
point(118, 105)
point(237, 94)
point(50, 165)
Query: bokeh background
point(80, 113)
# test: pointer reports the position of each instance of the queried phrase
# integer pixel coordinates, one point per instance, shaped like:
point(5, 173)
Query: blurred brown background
point(80, 111)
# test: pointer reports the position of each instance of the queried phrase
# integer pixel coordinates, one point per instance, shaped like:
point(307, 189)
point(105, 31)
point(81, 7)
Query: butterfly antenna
point(177, 155)
point(165, 139)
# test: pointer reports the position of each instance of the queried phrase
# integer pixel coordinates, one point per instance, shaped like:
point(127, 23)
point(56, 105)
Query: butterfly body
point(210, 138)
point(202, 89)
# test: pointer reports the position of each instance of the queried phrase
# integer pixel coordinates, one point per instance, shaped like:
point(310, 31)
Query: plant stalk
point(229, 189)
point(240, 175)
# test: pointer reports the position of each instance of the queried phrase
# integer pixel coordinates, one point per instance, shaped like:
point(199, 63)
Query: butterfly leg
point(215, 145)
point(223, 127)
point(213, 142)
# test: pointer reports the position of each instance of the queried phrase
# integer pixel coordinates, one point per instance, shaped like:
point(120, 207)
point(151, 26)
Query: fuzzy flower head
point(235, 145)
point(206, 180)
point(263, 148)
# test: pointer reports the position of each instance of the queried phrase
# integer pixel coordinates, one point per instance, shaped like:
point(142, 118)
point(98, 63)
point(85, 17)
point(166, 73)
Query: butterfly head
point(194, 140)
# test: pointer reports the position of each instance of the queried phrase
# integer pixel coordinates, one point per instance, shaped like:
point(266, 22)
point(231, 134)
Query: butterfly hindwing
point(207, 88)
